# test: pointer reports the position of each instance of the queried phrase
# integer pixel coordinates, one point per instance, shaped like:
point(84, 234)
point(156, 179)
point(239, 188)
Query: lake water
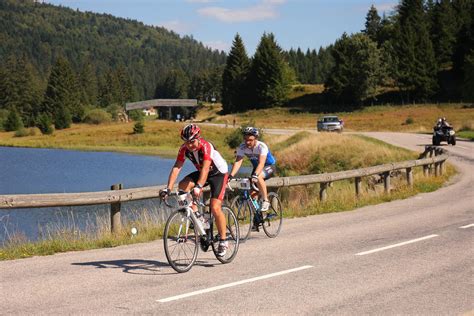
point(27, 170)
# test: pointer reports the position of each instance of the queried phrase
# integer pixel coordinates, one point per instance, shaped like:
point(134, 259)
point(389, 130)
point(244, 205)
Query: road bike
point(247, 210)
point(185, 233)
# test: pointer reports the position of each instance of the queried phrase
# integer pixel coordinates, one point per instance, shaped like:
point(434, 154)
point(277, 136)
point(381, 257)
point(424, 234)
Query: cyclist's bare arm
point(178, 165)
point(236, 165)
point(206, 164)
point(261, 164)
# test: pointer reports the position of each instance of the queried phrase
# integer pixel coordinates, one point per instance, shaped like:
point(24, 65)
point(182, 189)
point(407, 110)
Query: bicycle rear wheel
point(274, 217)
point(232, 235)
point(244, 215)
point(180, 241)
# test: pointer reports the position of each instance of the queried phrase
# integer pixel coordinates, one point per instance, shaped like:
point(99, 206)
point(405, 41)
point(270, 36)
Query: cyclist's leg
point(267, 173)
point(188, 183)
point(217, 184)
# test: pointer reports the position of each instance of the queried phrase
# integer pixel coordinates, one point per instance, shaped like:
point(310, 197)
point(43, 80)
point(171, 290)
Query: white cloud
point(263, 11)
point(219, 45)
point(176, 26)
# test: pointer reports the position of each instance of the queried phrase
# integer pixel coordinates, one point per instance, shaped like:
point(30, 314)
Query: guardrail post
point(323, 191)
point(115, 221)
point(410, 176)
point(386, 181)
point(426, 170)
point(357, 186)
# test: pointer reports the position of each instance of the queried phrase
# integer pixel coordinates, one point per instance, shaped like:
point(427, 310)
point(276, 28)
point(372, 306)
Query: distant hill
point(42, 32)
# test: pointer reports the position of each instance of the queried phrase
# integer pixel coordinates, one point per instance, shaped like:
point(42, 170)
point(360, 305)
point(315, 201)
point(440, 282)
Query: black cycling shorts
point(217, 183)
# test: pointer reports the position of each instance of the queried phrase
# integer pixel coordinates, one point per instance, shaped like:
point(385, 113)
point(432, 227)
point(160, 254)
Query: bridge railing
point(433, 158)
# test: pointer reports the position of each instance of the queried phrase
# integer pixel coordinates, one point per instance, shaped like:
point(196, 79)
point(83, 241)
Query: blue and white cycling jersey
point(254, 153)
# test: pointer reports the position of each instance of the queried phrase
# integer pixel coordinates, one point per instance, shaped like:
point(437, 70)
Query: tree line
point(423, 52)
point(58, 64)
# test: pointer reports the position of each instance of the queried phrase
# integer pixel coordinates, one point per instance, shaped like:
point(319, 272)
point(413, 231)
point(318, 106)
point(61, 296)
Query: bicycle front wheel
point(232, 236)
point(274, 217)
point(244, 215)
point(180, 241)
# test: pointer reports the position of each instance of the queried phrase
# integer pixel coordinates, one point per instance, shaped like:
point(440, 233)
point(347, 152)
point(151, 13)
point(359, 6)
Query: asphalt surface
point(412, 256)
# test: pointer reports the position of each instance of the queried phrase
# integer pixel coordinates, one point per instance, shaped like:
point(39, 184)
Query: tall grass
point(66, 236)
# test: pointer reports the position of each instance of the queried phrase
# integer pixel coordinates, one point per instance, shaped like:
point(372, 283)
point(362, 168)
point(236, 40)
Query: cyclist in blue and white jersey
point(262, 161)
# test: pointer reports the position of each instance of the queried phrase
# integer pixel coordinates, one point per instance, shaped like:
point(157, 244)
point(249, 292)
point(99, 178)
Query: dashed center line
point(467, 226)
point(220, 287)
point(395, 245)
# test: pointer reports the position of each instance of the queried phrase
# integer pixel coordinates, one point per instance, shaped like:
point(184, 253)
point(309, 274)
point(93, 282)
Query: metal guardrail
point(432, 156)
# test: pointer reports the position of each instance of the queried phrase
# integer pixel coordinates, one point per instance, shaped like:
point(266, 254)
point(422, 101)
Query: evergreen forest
point(59, 66)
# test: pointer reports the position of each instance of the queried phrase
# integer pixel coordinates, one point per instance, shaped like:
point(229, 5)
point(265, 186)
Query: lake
point(32, 170)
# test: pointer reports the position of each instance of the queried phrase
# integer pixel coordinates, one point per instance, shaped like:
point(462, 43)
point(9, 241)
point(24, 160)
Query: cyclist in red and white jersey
point(211, 169)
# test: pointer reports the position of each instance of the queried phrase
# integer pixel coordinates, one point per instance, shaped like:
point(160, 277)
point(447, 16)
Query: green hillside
point(43, 32)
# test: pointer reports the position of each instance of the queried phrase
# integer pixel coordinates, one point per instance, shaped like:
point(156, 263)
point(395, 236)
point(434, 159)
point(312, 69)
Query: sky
point(307, 24)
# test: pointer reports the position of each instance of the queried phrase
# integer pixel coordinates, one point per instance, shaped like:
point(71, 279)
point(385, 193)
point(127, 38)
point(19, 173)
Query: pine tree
point(270, 75)
point(62, 117)
point(44, 123)
point(62, 95)
point(357, 71)
point(443, 32)
point(13, 122)
point(234, 78)
point(175, 86)
point(372, 24)
point(416, 65)
point(89, 85)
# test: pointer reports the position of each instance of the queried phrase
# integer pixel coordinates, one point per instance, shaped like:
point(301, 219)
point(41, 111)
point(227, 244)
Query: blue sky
point(295, 23)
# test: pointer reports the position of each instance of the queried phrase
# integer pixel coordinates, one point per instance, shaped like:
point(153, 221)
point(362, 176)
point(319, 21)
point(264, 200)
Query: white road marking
point(396, 245)
point(220, 287)
point(467, 226)
point(461, 147)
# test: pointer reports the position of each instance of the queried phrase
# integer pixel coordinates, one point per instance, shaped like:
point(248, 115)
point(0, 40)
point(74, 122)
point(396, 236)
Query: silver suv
point(330, 123)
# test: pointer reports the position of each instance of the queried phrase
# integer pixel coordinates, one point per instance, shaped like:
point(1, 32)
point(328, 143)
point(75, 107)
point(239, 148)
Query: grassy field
point(160, 138)
point(408, 118)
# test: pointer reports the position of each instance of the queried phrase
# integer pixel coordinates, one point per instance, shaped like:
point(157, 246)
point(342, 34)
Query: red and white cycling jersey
point(206, 151)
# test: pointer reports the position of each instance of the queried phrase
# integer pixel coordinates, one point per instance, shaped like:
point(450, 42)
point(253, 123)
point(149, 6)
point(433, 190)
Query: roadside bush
point(235, 138)
point(97, 116)
point(409, 121)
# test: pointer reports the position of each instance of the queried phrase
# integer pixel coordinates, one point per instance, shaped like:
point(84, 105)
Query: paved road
point(405, 257)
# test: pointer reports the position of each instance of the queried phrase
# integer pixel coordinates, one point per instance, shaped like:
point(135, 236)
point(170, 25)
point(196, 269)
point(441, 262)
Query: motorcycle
point(443, 134)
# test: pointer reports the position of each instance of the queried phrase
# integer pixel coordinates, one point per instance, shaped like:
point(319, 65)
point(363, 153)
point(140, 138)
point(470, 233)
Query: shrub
point(113, 110)
point(136, 115)
point(409, 121)
point(21, 132)
point(299, 89)
point(13, 122)
point(45, 124)
point(235, 138)
point(139, 127)
point(97, 116)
